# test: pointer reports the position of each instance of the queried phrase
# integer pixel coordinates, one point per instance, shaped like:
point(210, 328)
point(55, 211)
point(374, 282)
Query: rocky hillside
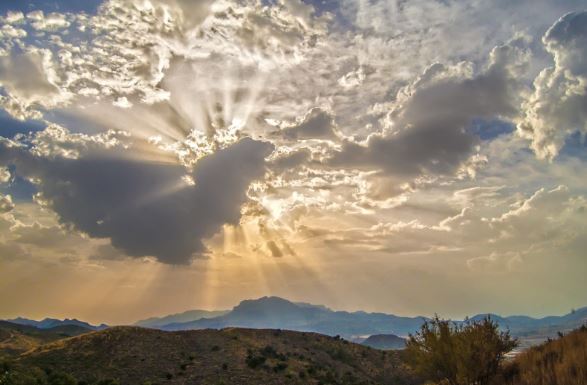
point(16, 339)
point(136, 355)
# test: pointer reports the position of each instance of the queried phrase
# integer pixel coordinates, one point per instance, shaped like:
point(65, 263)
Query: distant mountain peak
point(48, 323)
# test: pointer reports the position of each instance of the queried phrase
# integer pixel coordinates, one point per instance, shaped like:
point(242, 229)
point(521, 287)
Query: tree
point(469, 353)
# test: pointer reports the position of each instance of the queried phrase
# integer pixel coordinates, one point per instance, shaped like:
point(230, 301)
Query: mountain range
point(16, 339)
point(279, 313)
point(49, 323)
point(187, 316)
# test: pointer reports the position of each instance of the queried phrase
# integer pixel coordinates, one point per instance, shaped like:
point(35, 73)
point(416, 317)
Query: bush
point(280, 367)
point(254, 361)
point(108, 382)
point(459, 355)
point(61, 379)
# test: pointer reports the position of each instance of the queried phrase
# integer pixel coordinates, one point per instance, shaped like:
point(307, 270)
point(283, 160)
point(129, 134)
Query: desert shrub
point(466, 354)
point(108, 382)
point(254, 361)
point(269, 351)
point(280, 367)
point(340, 354)
point(14, 375)
point(61, 379)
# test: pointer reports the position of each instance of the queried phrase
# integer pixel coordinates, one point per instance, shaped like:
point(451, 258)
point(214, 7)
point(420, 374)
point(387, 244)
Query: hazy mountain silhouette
point(279, 313)
point(48, 323)
point(523, 325)
point(187, 316)
point(275, 312)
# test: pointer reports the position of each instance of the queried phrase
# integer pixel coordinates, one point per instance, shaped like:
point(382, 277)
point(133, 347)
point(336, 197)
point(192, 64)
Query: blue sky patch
point(87, 6)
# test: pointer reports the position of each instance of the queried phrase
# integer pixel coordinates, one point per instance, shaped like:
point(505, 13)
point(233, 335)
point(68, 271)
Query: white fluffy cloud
point(558, 107)
point(6, 204)
point(27, 80)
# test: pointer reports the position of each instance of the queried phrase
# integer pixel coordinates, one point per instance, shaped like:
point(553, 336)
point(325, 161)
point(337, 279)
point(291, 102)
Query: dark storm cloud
point(146, 208)
point(429, 134)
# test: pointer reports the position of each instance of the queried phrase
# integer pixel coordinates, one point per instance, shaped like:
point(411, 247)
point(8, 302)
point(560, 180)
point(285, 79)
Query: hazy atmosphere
point(407, 157)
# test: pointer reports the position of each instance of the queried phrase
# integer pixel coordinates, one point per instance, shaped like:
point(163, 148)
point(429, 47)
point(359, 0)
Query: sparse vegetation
point(145, 356)
point(467, 354)
point(441, 352)
point(557, 362)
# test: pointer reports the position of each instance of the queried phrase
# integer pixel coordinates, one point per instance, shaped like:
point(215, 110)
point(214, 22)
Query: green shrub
point(464, 354)
point(108, 382)
point(280, 367)
point(61, 379)
point(254, 361)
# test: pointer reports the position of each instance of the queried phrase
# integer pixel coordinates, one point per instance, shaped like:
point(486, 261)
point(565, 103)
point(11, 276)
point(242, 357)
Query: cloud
point(316, 124)
point(558, 106)
point(26, 80)
point(6, 204)
point(427, 128)
point(496, 262)
point(51, 22)
point(13, 251)
point(145, 208)
point(4, 175)
point(274, 249)
point(290, 161)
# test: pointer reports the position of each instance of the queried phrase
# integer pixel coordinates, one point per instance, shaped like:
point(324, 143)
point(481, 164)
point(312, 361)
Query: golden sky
point(411, 158)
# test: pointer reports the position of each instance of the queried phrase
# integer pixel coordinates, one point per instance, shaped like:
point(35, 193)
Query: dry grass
point(557, 362)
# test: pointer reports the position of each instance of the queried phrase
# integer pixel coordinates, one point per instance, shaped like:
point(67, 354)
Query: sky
point(409, 157)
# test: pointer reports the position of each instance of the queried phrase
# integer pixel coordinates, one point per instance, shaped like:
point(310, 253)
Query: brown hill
point(385, 342)
point(16, 339)
point(136, 355)
point(557, 362)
